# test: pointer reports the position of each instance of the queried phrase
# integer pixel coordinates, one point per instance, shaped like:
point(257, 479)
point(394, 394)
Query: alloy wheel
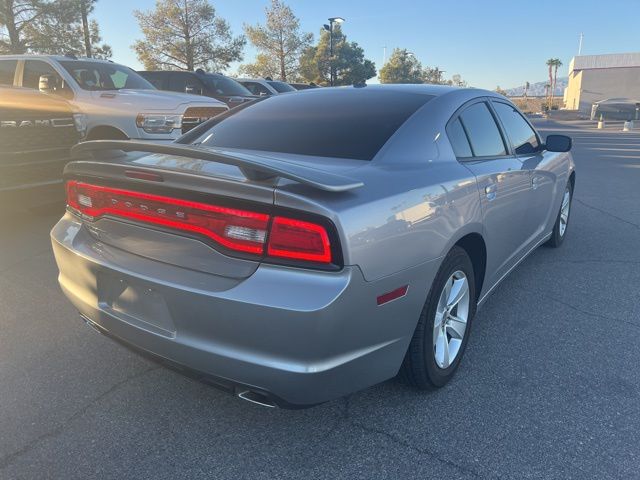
point(564, 211)
point(450, 324)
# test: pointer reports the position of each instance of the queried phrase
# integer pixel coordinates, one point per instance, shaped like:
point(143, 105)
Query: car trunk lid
point(154, 206)
point(150, 179)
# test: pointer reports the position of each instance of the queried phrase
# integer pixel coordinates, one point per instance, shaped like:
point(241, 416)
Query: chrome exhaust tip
point(257, 398)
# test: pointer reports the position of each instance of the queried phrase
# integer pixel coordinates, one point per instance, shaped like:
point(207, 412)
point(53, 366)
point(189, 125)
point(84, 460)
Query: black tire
point(557, 237)
point(419, 367)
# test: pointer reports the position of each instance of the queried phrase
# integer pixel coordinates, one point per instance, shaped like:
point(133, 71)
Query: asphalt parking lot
point(549, 387)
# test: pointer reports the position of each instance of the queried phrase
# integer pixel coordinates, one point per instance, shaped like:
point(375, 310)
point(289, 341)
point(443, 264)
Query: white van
point(117, 103)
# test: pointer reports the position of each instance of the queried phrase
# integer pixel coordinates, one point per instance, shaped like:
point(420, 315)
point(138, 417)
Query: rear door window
point(179, 82)
point(7, 71)
point(158, 80)
point(459, 140)
point(484, 134)
point(522, 136)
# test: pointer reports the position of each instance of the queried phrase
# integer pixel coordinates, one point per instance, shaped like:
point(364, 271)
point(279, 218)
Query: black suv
point(213, 85)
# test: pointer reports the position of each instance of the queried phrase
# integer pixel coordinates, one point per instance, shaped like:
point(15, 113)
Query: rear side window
point(343, 123)
point(458, 139)
point(522, 136)
point(483, 132)
point(158, 80)
point(256, 89)
point(222, 85)
point(7, 71)
point(281, 87)
point(180, 81)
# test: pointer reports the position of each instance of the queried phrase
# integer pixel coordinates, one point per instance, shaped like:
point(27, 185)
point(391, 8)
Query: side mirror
point(263, 94)
point(558, 143)
point(193, 90)
point(47, 84)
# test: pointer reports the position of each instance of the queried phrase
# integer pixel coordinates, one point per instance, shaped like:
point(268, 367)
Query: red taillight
point(239, 230)
point(236, 229)
point(298, 240)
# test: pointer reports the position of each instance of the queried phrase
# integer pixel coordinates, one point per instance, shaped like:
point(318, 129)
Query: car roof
point(213, 74)
point(250, 80)
point(419, 89)
point(424, 88)
point(28, 56)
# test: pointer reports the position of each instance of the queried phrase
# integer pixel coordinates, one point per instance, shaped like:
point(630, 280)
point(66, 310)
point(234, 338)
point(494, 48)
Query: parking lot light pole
point(329, 28)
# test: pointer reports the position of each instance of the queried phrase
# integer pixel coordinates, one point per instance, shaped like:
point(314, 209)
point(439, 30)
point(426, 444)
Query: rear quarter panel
point(403, 217)
point(416, 203)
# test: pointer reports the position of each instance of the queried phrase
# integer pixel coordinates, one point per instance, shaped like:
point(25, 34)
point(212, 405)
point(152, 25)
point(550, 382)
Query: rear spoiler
point(254, 167)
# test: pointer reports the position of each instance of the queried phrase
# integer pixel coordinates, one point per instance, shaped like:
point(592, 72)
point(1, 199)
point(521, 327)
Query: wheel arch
point(572, 179)
point(106, 132)
point(473, 243)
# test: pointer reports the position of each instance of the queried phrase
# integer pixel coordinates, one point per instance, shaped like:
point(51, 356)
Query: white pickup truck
point(115, 101)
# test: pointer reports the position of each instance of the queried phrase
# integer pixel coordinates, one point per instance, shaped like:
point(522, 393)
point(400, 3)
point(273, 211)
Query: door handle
point(490, 191)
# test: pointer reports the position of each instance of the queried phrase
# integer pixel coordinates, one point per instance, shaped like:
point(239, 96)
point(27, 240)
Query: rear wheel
point(442, 333)
point(562, 222)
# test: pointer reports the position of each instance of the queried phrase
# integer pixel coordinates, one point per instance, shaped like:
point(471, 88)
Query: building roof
point(619, 101)
point(609, 60)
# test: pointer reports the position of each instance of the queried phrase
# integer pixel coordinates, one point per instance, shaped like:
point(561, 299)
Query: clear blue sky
point(490, 43)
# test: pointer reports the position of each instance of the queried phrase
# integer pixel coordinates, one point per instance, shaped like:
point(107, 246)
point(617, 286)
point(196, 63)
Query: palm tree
point(550, 64)
point(556, 64)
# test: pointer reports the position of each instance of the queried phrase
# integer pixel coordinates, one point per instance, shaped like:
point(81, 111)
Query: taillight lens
point(239, 230)
point(235, 229)
point(298, 240)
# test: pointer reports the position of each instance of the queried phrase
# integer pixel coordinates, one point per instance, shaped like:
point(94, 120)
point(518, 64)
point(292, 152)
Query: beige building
point(599, 77)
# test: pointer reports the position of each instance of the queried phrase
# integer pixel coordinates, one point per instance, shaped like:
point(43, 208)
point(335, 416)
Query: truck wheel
point(443, 330)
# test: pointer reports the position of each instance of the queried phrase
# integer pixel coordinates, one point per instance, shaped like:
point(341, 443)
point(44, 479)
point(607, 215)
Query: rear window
point(222, 85)
point(7, 71)
point(281, 87)
point(343, 123)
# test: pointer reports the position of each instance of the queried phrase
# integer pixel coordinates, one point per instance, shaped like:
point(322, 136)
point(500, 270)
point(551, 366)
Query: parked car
point(352, 235)
point(304, 86)
point(265, 87)
point(118, 103)
point(37, 132)
point(214, 85)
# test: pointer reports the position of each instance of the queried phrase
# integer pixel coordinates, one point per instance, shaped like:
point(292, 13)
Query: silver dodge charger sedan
point(302, 247)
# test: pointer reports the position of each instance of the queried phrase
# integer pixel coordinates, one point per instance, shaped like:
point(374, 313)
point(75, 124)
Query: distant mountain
point(538, 89)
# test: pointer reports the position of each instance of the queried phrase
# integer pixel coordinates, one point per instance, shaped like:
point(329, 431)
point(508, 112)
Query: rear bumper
point(299, 337)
